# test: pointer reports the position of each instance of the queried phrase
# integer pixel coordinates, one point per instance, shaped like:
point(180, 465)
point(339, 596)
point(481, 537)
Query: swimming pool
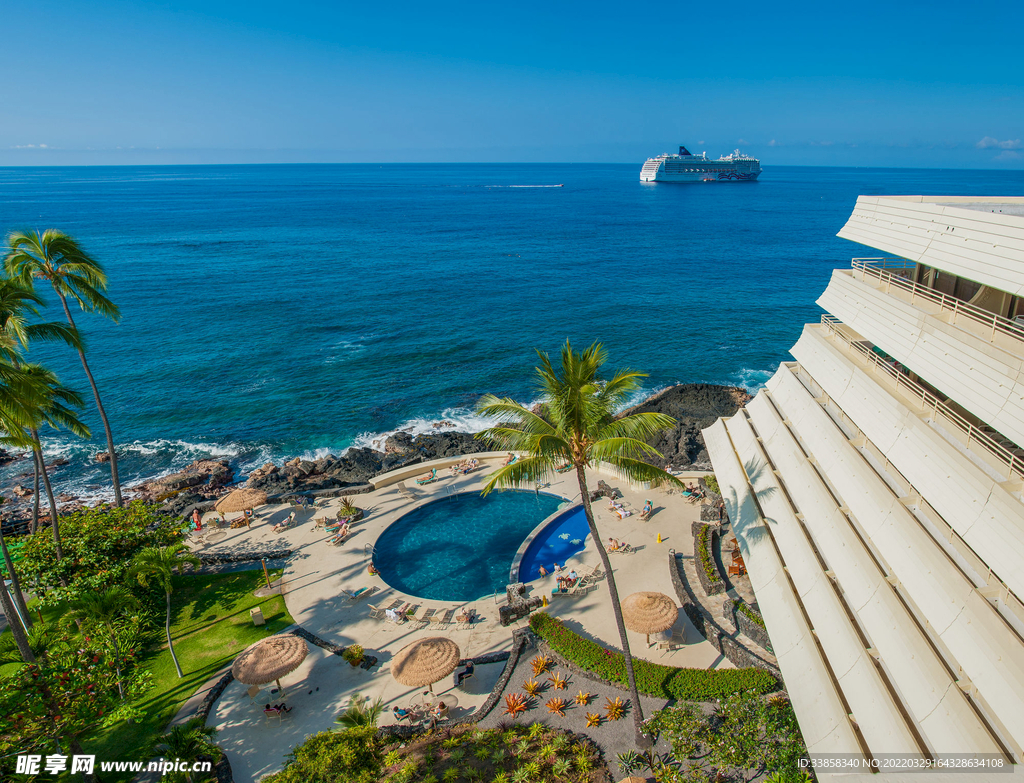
point(560, 539)
point(461, 547)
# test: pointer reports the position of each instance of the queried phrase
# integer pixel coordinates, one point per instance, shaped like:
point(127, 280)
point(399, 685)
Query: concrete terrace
point(317, 572)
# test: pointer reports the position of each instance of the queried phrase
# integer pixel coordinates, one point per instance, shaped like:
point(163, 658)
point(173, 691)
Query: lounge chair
point(564, 468)
point(442, 620)
point(425, 618)
point(592, 576)
point(362, 592)
point(429, 479)
point(379, 613)
point(254, 692)
point(405, 492)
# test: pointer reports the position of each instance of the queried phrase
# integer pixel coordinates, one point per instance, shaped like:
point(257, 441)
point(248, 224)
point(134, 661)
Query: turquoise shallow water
point(273, 311)
point(460, 548)
point(563, 537)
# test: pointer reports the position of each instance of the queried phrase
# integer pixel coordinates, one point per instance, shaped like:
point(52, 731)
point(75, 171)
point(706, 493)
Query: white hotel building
point(876, 488)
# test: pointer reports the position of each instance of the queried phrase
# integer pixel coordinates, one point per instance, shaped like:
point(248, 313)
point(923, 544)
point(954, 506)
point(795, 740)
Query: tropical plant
point(558, 681)
point(353, 755)
point(58, 259)
point(593, 719)
point(629, 762)
point(615, 708)
point(540, 664)
point(103, 610)
point(557, 706)
point(515, 703)
point(190, 741)
point(578, 425)
point(532, 687)
point(12, 574)
point(353, 654)
point(160, 564)
point(583, 699)
point(29, 402)
point(712, 483)
point(361, 712)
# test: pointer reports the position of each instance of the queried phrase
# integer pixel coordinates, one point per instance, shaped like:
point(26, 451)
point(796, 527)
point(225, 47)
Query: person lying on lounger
point(286, 524)
point(614, 545)
point(647, 510)
point(509, 460)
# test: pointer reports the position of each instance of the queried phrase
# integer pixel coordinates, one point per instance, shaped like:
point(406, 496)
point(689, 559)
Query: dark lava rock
point(694, 406)
point(103, 456)
point(209, 474)
point(399, 443)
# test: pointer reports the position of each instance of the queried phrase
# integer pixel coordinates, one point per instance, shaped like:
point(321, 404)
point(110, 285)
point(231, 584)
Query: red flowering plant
point(98, 545)
point(66, 691)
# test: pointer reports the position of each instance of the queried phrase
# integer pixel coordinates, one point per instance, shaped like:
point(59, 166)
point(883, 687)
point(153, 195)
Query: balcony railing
point(886, 273)
point(1011, 463)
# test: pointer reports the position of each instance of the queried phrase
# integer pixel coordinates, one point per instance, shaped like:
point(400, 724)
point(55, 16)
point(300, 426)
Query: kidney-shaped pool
point(461, 547)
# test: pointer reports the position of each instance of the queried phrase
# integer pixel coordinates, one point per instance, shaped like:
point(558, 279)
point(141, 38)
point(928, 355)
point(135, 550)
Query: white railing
point(884, 271)
point(1013, 464)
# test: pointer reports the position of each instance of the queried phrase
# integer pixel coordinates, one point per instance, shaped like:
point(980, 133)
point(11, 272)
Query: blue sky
point(869, 84)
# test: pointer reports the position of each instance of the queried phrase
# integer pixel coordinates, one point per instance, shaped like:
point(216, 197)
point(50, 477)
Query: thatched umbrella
point(649, 613)
point(241, 500)
point(425, 662)
point(269, 660)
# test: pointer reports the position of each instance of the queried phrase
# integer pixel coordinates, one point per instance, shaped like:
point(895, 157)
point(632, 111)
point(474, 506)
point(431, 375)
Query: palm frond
point(607, 448)
point(639, 471)
point(523, 472)
point(637, 425)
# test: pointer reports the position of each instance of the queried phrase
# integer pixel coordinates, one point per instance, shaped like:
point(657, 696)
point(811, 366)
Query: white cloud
point(700, 143)
point(822, 143)
point(989, 143)
point(773, 143)
point(742, 141)
point(1008, 155)
point(29, 147)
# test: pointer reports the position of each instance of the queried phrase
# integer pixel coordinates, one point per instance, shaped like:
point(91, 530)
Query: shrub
point(355, 756)
point(712, 483)
point(749, 611)
point(668, 682)
point(353, 654)
point(706, 560)
point(98, 545)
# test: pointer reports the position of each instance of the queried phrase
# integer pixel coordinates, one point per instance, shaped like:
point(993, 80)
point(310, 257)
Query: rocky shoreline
point(694, 406)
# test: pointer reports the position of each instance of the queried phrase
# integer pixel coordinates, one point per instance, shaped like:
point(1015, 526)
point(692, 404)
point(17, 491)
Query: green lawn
point(210, 625)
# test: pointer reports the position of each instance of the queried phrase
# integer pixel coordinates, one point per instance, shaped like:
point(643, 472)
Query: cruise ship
point(687, 167)
point(875, 487)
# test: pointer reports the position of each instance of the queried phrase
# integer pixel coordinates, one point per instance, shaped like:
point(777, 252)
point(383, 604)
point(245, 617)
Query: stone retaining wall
point(710, 587)
point(244, 557)
point(749, 628)
point(702, 620)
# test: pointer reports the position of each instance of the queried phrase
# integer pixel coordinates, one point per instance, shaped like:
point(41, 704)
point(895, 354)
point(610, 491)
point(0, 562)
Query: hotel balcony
point(978, 363)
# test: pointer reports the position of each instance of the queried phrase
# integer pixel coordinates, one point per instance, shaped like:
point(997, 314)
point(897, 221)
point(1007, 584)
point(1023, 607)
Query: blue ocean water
point(434, 551)
point(272, 311)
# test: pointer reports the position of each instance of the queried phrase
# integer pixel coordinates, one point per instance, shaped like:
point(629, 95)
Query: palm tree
point(103, 609)
point(17, 304)
point(188, 742)
point(360, 713)
point(58, 259)
point(36, 642)
point(15, 581)
point(37, 399)
point(18, 632)
point(160, 562)
point(577, 425)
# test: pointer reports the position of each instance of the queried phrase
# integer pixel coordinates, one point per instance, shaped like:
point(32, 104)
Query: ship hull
point(717, 176)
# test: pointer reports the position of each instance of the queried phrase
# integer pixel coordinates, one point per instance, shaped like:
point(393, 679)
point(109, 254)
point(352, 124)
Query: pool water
point(561, 538)
point(461, 547)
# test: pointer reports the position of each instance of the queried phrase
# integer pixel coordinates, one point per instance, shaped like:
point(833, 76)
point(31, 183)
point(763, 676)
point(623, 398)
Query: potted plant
point(349, 511)
point(353, 654)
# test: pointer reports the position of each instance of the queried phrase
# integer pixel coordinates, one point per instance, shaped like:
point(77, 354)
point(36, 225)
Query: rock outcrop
point(204, 477)
point(694, 406)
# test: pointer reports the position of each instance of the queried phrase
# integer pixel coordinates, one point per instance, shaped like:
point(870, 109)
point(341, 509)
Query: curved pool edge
point(448, 496)
point(518, 559)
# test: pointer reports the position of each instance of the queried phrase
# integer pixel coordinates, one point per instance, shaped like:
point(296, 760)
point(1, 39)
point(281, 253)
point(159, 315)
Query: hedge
point(705, 557)
point(668, 682)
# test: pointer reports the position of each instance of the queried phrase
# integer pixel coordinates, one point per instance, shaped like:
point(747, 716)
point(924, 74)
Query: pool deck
point(317, 572)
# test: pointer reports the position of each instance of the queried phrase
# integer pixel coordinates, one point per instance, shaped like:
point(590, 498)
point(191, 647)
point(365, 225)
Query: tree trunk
point(117, 659)
point(54, 519)
point(15, 582)
point(170, 644)
point(16, 630)
point(99, 406)
point(638, 716)
point(35, 496)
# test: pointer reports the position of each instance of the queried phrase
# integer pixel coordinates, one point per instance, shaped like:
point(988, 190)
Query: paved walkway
point(316, 572)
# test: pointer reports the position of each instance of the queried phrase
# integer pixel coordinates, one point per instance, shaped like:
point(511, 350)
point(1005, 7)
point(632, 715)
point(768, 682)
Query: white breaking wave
point(463, 419)
point(754, 380)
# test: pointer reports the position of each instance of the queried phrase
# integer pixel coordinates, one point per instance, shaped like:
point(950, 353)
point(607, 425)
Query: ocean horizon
point(280, 310)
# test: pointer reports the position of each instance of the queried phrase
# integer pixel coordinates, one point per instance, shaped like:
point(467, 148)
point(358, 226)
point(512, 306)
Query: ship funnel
point(683, 150)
